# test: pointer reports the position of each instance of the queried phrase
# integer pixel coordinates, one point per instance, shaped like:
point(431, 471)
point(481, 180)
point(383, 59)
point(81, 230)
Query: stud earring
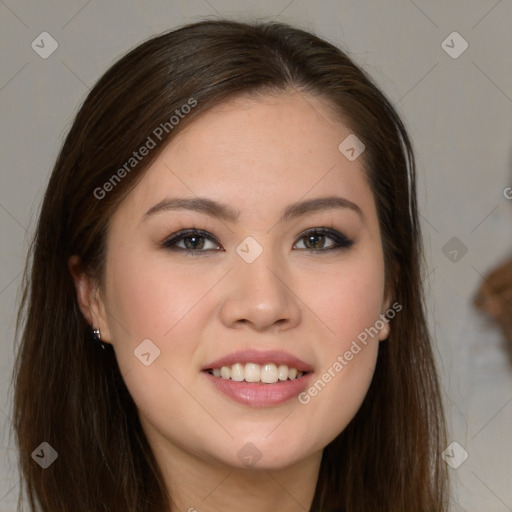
point(95, 336)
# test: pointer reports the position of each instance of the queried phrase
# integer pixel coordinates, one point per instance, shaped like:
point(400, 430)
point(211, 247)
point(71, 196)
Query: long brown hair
point(70, 393)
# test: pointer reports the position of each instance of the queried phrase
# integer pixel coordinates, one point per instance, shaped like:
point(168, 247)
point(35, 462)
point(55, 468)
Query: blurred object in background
point(495, 298)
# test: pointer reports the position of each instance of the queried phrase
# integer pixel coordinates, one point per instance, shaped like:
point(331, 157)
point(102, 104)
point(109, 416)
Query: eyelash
point(170, 243)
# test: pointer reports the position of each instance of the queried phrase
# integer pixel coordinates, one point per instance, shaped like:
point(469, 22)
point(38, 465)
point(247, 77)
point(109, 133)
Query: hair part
point(70, 394)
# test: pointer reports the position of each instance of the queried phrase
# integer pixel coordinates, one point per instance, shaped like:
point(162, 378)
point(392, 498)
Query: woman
point(224, 306)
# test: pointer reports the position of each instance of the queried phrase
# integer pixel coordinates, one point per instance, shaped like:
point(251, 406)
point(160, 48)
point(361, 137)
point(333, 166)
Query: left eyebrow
point(226, 212)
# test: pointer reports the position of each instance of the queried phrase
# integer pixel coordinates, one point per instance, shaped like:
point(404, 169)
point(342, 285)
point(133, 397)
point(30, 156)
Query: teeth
point(269, 373)
point(251, 372)
point(237, 372)
point(282, 372)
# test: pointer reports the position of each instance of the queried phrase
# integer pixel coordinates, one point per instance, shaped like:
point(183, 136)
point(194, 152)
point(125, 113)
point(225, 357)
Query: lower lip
point(259, 394)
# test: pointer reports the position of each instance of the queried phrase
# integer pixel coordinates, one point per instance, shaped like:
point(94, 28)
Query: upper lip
point(260, 357)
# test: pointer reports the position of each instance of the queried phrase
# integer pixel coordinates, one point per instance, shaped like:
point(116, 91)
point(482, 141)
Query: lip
point(260, 357)
point(260, 394)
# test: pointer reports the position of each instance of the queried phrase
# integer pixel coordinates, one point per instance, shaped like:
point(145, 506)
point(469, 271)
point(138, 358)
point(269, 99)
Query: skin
point(258, 156)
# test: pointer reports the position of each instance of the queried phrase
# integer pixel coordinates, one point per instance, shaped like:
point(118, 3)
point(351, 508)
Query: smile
point(268, 373)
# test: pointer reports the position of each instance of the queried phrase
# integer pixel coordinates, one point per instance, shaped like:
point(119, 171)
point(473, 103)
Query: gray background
point(459, 114)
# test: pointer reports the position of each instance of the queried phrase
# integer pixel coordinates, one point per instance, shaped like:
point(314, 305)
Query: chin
point(262, 453)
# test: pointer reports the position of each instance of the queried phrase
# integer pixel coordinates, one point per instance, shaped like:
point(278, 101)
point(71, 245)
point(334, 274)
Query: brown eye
point(194, 241)
point(315, 240)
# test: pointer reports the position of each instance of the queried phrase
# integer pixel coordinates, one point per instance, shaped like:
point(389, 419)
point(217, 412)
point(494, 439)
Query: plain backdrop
point(455, 101)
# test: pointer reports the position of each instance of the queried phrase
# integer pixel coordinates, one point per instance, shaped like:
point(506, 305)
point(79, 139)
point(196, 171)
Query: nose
point(260, 295)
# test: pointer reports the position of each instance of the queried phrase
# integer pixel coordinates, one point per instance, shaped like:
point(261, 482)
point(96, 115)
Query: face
point(250, 294)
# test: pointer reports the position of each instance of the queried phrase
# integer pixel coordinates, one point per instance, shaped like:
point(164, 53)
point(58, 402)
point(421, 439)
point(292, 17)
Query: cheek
point(149, 302)
point(149, 299)
point(348, 301)
point(349, 298)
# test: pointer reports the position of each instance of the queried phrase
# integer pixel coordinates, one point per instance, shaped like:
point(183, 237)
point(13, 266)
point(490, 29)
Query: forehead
point(255, 153)
point(280, 131)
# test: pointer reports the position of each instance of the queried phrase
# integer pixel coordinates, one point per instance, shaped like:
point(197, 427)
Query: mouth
point(259, 379)
point(268, 373)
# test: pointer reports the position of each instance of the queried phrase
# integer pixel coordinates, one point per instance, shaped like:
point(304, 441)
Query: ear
point(89, 298)
point(384, 332)
point(386, 304)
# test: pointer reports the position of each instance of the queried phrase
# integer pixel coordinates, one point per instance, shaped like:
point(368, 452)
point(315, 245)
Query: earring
point(95, 336)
